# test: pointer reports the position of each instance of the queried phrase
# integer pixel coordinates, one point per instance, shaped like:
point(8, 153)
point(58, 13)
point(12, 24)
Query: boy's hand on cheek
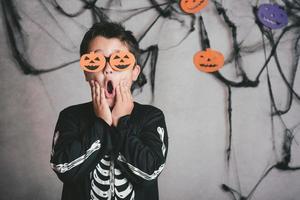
point(101, 107)
point(124, 102)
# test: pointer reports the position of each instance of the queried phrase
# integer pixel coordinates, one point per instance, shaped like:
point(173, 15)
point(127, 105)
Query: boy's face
point(107, 77)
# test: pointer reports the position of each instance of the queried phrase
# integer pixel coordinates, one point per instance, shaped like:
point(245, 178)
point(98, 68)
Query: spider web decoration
point(15, 15)
point(16, 22)
point(288, 136)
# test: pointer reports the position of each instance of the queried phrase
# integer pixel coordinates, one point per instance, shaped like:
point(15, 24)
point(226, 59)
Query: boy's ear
point(135, 72)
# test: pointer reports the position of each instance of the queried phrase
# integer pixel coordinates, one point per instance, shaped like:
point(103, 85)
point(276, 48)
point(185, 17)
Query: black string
point(229, 111)
point(245, 82)
point(205, 43)
point(151, 53)
point(270, 37)
point(16, 41)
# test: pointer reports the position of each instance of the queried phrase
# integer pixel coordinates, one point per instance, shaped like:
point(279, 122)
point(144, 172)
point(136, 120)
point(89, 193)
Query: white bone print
point(102, 181)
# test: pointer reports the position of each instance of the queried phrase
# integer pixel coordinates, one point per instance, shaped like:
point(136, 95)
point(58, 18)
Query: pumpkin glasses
point(95, 62)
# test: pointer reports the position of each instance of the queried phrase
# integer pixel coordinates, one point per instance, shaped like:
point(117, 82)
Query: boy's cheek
point(125, 77)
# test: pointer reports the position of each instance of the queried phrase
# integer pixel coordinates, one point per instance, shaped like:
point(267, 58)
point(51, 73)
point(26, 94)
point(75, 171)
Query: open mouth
point(109, 90)
point(109, 87)
point(91, 67)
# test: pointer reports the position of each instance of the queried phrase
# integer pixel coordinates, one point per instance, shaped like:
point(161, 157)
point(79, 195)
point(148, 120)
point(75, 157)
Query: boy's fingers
point(118, 90)
point(93, 91)
point(102, 97)
point(123, 92)
point(128, 93)
point(94, 95)
point(97, 93)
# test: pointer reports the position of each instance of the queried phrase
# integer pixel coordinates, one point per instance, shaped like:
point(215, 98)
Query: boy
point(111, 147)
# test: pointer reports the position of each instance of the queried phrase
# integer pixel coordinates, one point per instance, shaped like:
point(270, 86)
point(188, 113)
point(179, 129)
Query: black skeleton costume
point(98, 161)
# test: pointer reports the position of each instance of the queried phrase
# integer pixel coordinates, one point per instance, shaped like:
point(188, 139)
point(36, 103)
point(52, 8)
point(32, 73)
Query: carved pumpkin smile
point(208, 65)
point(122, 66)
point(208, 60)
point(270, 21)
point(193, 6)
point(91, 67)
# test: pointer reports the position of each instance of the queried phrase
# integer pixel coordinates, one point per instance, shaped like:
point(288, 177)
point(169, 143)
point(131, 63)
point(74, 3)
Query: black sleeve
point(75, 153)
point(142, 153)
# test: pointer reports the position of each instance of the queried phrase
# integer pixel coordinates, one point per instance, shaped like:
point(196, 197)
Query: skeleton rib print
point(108, 182)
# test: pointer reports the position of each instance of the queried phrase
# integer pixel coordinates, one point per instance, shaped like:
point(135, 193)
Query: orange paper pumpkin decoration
point(208, 60)
point(92, 62)
point(192, 6)
point(122, 60)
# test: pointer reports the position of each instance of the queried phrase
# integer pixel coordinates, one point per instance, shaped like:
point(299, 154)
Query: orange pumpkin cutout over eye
point(92, 62)
point(208, 60)
point(122, 60)
point(193, 6)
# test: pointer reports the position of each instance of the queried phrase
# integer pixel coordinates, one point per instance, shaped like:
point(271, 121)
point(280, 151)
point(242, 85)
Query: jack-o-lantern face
point(192, 6)
point(272, 16)
point(122, 60)
point(208, 60)
point(92, 62)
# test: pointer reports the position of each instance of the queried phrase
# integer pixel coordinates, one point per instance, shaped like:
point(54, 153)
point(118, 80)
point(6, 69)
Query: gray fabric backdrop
point(194, 104)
